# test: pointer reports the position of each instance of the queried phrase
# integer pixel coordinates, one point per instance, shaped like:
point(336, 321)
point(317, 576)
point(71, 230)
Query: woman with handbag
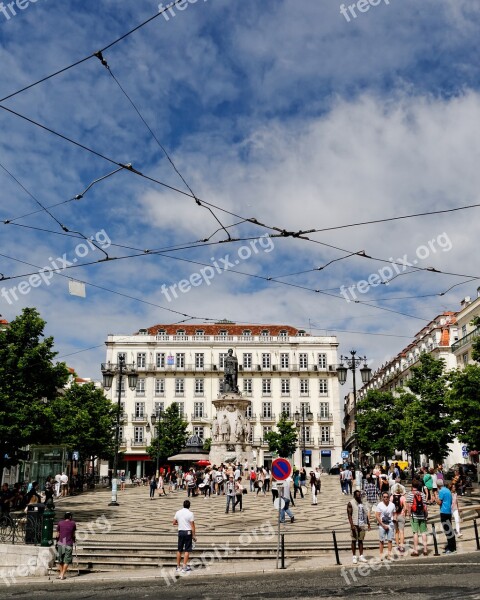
point(313, 487)
point(239, 491)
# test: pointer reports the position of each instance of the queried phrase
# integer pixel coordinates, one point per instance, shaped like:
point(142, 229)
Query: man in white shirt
point(237, 473)
point(186, 535)
point(64, 484)
point(384, 515)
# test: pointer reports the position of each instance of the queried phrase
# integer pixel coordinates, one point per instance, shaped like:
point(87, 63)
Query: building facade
point(467, 333)
point(280, 369)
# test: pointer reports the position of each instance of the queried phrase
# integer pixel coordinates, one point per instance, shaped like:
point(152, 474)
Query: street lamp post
point(353, 363)
point(109, 371)
point(302, 416)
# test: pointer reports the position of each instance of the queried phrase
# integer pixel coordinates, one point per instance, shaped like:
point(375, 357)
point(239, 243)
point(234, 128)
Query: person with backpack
point(253, 479)
point(418, 512)
point(398, 499)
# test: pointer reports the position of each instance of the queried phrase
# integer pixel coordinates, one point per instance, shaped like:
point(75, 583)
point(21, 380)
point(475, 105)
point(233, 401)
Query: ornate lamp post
point(352, 364)
point(300, 418)
point(109, 372)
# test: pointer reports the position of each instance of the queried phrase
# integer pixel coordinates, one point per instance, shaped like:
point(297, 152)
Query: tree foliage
point(29, 381)
point(426, 426)
point(85, 420)
point(284, 440)
point(377, 423)
point(171, 435)
point(463, 400)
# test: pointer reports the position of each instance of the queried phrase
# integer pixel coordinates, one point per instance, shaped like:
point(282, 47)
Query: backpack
point(418, 508)
point(253, 476)
point(397, 500)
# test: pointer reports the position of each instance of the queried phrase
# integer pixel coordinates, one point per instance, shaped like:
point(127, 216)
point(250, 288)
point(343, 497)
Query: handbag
point(244, 491)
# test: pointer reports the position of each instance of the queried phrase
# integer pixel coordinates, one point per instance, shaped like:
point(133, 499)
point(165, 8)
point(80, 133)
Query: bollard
point(475, 527)
point(282, 558)
point(47, 525)
point(336, 548)
point(435, 545)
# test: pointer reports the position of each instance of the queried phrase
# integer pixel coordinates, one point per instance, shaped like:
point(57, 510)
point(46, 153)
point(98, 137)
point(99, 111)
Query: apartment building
point(281, 370)
point(467, 333)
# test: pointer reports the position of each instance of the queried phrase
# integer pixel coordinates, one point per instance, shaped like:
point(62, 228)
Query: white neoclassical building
point(281, 370)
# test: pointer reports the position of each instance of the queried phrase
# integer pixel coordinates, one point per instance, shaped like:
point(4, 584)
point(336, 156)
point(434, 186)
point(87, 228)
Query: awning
point(131, 457)
point(190, 456)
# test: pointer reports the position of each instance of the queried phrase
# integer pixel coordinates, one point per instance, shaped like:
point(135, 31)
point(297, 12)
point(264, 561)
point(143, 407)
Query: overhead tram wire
point(104, 62)
point(86, 58)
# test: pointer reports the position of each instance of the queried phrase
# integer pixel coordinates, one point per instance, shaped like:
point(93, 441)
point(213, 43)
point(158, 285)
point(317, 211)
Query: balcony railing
point(252, 417)
point(268, 419)
point(323, 417)
point(466, 339)
point(139, 443)
point(139, 418)
point(322, 442)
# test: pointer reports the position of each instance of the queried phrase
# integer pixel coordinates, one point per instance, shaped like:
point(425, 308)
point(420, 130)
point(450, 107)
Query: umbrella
point(203, 463)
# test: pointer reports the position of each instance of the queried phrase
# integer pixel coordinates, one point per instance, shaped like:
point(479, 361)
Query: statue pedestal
point(231, 430)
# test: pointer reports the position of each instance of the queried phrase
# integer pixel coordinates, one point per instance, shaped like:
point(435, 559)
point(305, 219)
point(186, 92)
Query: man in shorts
point(186, 535)
point(418, 512)
point(65, 541)
point(357, 514)
point(384, 515)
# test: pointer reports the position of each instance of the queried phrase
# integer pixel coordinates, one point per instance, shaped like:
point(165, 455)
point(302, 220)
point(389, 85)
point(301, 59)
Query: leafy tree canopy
point(171, 436)
point(377, 423)
point(463, 401)
point(284, 440)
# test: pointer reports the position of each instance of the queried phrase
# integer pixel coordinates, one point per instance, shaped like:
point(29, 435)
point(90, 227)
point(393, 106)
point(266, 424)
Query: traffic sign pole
point(280, 499)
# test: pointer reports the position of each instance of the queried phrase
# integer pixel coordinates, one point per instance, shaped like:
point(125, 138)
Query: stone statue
point(239, 430)
point(215, 430)
point(225, 429)
point(230, 365)
point(248, 431)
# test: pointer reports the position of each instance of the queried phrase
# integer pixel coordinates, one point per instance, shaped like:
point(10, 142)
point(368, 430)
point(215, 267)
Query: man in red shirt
point(65, 541)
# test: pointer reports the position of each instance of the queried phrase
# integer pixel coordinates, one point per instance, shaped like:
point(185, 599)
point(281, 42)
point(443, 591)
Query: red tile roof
point(230, 328)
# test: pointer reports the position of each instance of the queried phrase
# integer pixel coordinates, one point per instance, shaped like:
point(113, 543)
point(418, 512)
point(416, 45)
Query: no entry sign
point(281, 469)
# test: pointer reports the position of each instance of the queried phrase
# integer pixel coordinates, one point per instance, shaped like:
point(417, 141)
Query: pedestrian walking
point(455, 511)
point(359, 523)
point(65, 540)
point(384, 515)
point(398, 499)
point(286, 511)
point(161, 486)
point(445, 503)
point(239, 489)
point(230, 493)
point(153, 487)
point(418, 512)
point(296, 484)
point(267, 479)
point(274, 490)
point(186, 535)
point(313, 487)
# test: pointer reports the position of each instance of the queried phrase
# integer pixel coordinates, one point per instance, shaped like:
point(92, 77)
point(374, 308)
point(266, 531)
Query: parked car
point(335, 470)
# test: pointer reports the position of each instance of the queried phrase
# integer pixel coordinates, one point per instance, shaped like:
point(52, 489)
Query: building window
point(267, 409)
point(306, 434)
point(121, 356)
point(247, 332)
point(249, 412)
point(158, 408)
point(324, 410)
point(199, 387)
point(284, 361)
point(122, 393)
point(302, 333)
point(223, 333)
point(180, 360)
point(180, 409)
point(266, 387)
point(138, 434)
point(325, 434)
point(221, 359)
point(286, 409)
point(159, 387)
point(179, 387)
point(283, 333)
point(247, 360)
point(139, 410)
point(247, 386)
point(322, 360)
point(199, 332)
point(221, 386)
point(140, 388)
point(304, 389)
point(200, 431)
point(464, 330)
point(141, 360)
point(198, 410)
point(266, 361)
point(266, 429)
point(264, 333)
point(465, 359)
point(180, 331)
point(304, 408)
point(323, 387)
point(199, 360)
point(303, 360)
point(285, 386)
point(121, 434)
point(160, 360)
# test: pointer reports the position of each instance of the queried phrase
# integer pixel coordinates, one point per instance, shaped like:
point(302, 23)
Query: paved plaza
point(139, 533)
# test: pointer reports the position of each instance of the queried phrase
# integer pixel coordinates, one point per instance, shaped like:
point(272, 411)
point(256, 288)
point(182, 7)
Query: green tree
point(476, 343)
point(377, 423)
point(207, 444)
point(426, 426)
point(85, 420)
point(463, 401)
point(29, 381)
point(284, 440)
point(171, 435)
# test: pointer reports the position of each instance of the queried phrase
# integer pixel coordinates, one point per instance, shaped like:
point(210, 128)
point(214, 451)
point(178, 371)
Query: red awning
point(130, 457)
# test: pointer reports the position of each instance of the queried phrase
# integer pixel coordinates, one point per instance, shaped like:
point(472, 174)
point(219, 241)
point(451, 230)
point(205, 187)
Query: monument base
point(231, 431)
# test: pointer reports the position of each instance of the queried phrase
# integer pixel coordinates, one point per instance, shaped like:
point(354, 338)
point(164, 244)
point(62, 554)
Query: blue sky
point(277, 110)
